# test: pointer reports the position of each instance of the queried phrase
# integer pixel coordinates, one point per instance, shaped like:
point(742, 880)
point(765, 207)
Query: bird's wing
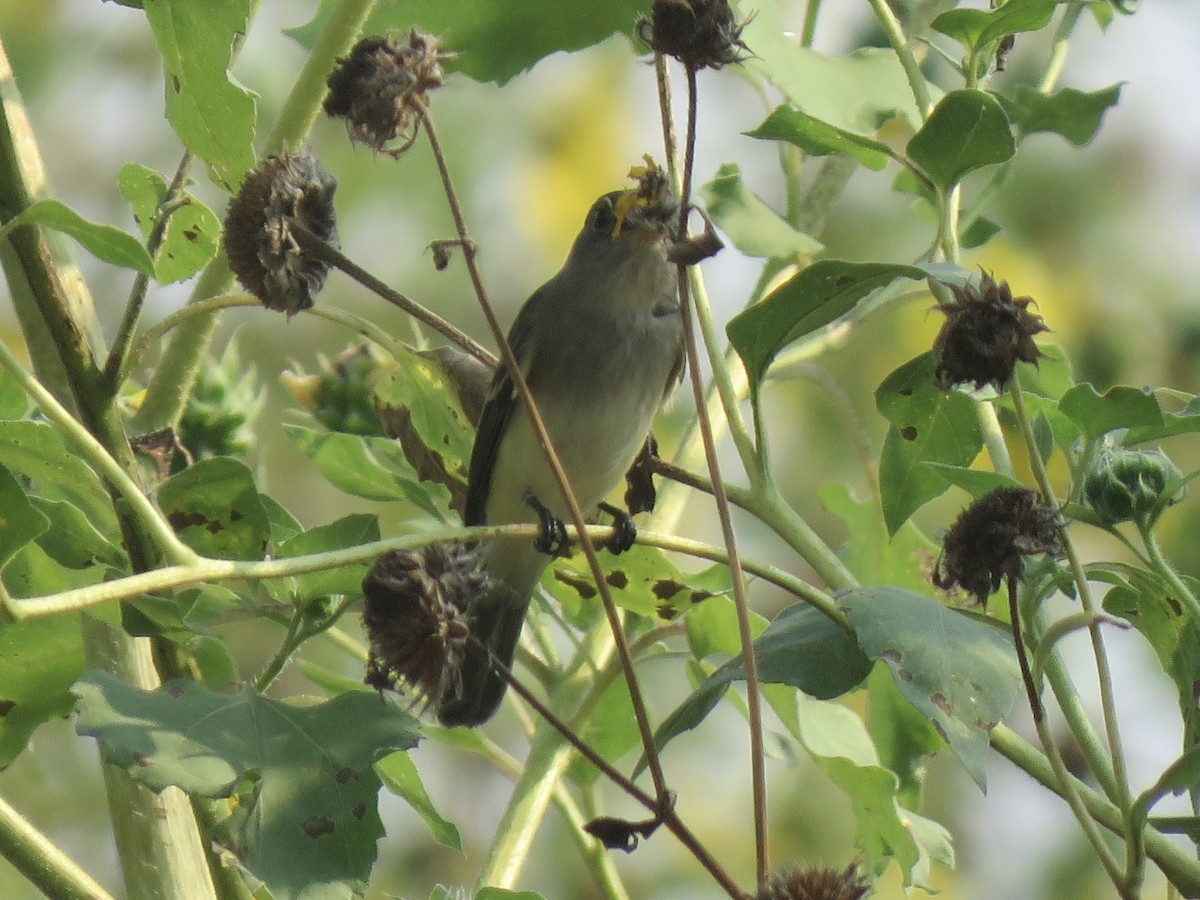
point(502, 402)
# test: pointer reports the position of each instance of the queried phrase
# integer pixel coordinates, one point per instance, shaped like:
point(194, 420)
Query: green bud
point(1128, 485)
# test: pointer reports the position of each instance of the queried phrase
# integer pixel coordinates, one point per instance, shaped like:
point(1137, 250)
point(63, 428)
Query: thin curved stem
point(45, 865)
point(1130, 881)
point(147, 513)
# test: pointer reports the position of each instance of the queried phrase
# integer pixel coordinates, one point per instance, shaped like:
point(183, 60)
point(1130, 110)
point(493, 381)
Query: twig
point(663, 811)
point(560, 475)
point(114, 366)
point(330, 254)
point(741, 602)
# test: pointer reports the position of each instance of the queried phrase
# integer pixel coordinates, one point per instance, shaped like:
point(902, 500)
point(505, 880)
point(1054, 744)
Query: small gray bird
point(600, 345)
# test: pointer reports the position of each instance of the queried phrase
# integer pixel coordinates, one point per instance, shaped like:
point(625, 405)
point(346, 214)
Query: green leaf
point(966, 131)
point(641, 580)
point(105, 242)
point(712, 627)
point(421, 407)
point(975, 482)
point(959, 670)
point(215, 509)
point(400, 776)
point(818, 138)
point(874, 556)
point(20, 523)
point(1186, 421)
point(840, 746)
point(1119, 407)
point(927, 425)
point(193, 231)
point(978, 233)
point(370, 467)
point(350, 531)
point(497, 39)
point(859, 93)
point(71, 540)
point(36, 450)
point(819, 295)
point(754, 228)
point(975, 28)
point(902, 735)
point(212, 114)
point(14, 403)
point(304, 813)
point(1178, 777)
point(495, 893)
point(1076, 115)
point(802, 648)
point(610, 729)
point(39, 661)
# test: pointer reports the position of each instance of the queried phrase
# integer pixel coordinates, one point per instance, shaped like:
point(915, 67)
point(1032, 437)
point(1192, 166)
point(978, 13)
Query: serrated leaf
point(400, 776)
point(966, 131)
point(818, 138)
point(1118, 407)
point(349, 531)
point(754, 228)
point(303, 820)
point(370, 467)
point(497, 39)
point(215, 509)
point(975, 28)
point(960, 671)
point(838, 743)
point(105, 242)
point(860, 92)
point(819, 295)
point(36, 450)
point(1075, 115)
point(903, 736)
point(927, 425)
point(192, 231)
point(212, 114)
point(419, 404)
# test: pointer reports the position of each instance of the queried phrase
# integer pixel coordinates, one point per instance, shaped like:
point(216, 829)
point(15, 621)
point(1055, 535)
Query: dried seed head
point(279, 193)
point(698, 33)
point(988, 539)
point(816, 884)
point(986, 332)
point(416, 617)
point(382, 85)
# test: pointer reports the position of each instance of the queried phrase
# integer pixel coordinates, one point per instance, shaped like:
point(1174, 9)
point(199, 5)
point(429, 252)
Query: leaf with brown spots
point(928, 425)
point(302, 776)
point(957, 668)
point(216, 509)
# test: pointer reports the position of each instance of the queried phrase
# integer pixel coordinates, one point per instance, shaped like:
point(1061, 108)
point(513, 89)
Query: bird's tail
point(474, 697)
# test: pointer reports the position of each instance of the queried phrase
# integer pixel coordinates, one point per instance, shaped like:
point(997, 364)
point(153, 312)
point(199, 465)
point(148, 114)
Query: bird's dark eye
point(601, 217)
